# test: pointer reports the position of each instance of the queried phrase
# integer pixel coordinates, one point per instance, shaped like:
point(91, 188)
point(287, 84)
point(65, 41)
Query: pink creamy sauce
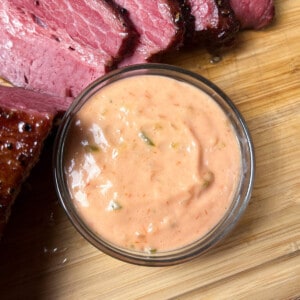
point(152, 163)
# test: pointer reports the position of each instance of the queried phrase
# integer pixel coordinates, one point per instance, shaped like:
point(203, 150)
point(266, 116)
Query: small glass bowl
point(234, 212)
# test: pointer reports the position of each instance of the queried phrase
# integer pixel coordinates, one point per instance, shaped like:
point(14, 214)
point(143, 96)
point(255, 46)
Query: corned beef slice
point(253, 14)
point(215, 22)
point(27, 100)
point(159, 24)
point(37, 57)
point(25, 121)
point(93, 23)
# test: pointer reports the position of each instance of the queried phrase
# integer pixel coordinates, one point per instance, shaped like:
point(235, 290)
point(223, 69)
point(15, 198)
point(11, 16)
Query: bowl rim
point(222, 228)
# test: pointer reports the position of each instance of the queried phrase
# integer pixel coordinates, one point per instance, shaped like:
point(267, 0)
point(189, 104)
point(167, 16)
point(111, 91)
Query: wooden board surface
point(43, 257)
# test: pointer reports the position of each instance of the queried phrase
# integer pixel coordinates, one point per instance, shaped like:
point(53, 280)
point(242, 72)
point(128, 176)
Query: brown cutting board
point(43, 257)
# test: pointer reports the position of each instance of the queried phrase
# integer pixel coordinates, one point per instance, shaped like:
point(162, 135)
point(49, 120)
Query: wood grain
point(43, 257)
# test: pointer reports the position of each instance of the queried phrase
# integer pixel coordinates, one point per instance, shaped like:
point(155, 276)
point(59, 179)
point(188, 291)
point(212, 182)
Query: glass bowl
point(225, 223)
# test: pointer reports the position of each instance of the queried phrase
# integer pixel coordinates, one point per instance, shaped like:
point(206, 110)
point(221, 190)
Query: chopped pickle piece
point(207, 179)
point(91, 148)
point(146, 139)
point(151, 250)
point(114, 205)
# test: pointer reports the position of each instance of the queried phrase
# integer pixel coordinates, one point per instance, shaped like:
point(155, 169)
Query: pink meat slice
point(37, 57)
point(28, 100)
point(94, 23)
point(159, 25)
point(206, 14)
point(25, 121)
point(254, 14)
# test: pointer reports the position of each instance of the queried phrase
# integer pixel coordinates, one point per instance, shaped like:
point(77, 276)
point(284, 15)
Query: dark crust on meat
point(222, 36)
point(178, 19)
point(189, 21)
point(131, 40)
point(21, 138)
point(228, 25)
point(179, 23)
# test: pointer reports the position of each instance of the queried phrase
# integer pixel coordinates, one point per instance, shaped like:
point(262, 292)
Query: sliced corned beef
point(94, 23)
point(215, 22)
point(159, 24)
point(28, 100)
point(253, 14)
point(34, 56)
point(25, 122)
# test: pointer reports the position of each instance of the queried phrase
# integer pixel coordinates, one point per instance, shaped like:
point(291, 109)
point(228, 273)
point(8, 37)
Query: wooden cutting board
point(43, 257)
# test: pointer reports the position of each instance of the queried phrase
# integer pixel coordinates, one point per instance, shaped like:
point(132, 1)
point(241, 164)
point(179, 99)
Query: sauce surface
point(151, 163)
